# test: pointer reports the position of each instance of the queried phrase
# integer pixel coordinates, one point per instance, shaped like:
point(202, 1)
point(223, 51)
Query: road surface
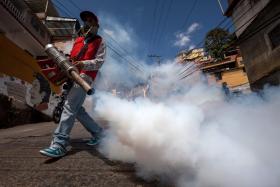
point(22, 165)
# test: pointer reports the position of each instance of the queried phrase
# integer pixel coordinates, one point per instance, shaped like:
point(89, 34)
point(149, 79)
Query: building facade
point(230, 71)
point(191, 56)
point(257, 24)
point(25, 28)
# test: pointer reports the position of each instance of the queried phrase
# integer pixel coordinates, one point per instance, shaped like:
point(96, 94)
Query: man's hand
point(79, 64)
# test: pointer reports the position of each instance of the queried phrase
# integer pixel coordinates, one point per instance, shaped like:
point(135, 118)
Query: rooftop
point(39, 6)
point(231, 5)
point(62, 28)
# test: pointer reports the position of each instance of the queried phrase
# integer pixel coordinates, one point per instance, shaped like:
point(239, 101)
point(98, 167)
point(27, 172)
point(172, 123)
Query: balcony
point(23, 27)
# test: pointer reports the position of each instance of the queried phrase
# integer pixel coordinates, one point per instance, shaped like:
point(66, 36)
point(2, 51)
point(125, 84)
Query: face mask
point(93, 30)
point(90, 30)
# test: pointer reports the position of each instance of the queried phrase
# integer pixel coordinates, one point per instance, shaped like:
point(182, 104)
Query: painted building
point(192, 55)
point(25, 28)
point(230, 71)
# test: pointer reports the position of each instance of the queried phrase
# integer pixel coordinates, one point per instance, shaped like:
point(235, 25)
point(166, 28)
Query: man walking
point(88, 54)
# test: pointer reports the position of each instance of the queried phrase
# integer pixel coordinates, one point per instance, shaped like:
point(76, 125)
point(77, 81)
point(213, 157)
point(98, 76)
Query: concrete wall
point(261, 61)
point(245, 12)
point(23, 27)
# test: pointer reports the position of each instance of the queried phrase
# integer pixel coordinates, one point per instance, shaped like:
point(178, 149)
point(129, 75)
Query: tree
point(217, 41)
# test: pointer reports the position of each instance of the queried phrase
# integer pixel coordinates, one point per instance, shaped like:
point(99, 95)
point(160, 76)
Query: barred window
point(253, 2)
point(218, 76)
point(274, 36)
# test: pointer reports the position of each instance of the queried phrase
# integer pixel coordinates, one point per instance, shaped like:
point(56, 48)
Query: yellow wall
point(233, 78)
point(16, 62)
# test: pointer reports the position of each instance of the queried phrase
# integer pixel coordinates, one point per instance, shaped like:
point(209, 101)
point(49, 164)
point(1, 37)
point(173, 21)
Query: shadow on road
point(79, 145)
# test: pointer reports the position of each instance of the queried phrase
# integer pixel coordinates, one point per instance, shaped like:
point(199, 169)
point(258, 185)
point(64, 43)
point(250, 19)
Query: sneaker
point(55, 151)
point(93, 141)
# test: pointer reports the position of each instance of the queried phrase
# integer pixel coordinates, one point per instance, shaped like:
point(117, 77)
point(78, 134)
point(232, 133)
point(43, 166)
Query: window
point(37, 26)
point(253, 2)
point(218, 76)
point(274, 37)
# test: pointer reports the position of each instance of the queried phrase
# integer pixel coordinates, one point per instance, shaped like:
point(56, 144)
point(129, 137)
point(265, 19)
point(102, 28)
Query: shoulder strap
point(82, 52)
point(85, 46)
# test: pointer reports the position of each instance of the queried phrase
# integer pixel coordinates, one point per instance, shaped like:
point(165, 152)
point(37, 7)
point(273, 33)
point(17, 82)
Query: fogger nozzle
point(66, 66)
point(60, 59)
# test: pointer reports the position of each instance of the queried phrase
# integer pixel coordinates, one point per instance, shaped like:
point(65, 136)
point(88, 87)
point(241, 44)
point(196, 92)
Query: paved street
point(22, 165)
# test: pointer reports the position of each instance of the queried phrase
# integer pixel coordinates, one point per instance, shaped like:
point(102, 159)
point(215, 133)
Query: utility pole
point(221, 7)
point(157, 57)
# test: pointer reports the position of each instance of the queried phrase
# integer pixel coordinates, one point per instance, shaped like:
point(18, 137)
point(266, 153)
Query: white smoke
point(187, 134)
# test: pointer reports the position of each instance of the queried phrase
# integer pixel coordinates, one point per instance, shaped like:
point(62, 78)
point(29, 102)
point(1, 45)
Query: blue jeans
point(73, 109)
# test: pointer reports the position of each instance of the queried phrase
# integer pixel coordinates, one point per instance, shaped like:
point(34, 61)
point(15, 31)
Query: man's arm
point(96, 63)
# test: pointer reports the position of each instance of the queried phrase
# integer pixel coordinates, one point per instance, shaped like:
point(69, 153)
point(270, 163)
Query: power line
point(245, 12)
point(224, 20)
point(191, 72)
point(262, 26)
point(67, 11)
point(156, 57)
point(116, 55)
point(200, 43)
point(187, 68)
point(165, 21)
point(230, 24)
point(267, 22)
point(121, 56)
point(221, 7)
point(238, 18)
point(124, 50)
point(189, 14)
point(160, 29)
point(76, 6)
point(110, 47)
point(158, 24)
point(245, 37)
point(61, 10)
point(153, 26)
point(135, 64)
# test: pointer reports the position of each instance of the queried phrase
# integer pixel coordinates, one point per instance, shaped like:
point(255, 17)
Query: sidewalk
point(22, 165)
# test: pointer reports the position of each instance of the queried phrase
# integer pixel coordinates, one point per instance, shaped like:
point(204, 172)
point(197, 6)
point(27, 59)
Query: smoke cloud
point(187, 134)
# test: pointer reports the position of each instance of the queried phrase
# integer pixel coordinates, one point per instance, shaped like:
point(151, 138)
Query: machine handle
point(80, 81)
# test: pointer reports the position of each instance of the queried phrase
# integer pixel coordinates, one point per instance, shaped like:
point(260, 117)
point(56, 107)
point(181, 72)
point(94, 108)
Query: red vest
point(90, 54)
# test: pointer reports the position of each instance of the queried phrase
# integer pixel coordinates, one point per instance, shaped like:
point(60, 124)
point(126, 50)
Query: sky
point(143, 27)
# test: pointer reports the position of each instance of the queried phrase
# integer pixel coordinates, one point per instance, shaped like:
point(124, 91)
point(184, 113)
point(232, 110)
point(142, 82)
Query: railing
point(23, 14)
point(13, 10)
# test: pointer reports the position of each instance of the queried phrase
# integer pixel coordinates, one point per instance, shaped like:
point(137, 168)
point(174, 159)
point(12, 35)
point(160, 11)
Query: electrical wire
point(109, 45)
point(240, 17)
point(267, 22)
point(153, 26)
point(166, 18)
point(67, 11)
point(189, 14)
point(157, 26)
point(121, 47)
point(75, 5)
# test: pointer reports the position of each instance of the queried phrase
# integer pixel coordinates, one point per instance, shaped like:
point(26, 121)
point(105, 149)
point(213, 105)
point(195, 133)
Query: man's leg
point(71, 107)
point(88, 122)
point(74, 101)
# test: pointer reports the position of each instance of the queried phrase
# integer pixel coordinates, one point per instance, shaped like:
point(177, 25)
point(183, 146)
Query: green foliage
point(217, 41)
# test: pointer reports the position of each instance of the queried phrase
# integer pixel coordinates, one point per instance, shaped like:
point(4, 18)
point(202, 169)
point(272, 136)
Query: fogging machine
point(59, 68)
